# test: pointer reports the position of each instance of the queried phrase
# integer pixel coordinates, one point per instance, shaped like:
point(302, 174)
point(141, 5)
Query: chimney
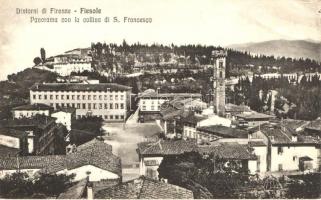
point(90, 193)
point(294, 137)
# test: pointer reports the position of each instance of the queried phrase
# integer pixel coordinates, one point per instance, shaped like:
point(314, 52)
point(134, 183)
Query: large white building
point(109, 101)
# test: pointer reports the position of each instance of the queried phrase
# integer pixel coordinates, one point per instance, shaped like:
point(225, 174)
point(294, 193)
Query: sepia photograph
point(162, 99)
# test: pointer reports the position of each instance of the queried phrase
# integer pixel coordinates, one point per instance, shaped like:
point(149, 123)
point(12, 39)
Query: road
point(124, 141)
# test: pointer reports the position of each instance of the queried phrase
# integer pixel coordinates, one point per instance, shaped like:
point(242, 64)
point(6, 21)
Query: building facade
point(28, 111)
point(109, 101)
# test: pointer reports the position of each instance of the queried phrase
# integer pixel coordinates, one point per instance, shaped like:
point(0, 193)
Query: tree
point(43, 54)
point(21, 185)
point(37, 60)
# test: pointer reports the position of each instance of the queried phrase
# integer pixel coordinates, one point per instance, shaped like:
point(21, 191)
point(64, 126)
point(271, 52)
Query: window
point(280, 150)
point(83, 106)
point(280, 167)
point(116, 97)
point(116, 105)
point(57, 105)
point(143, 102)
point(111, 97)
point(73, 97)
point(258, 164)
point(62, 96)
point(220, 64)
point(67, 97)
point(121, 116)
point(51, 97)
point(121, 97)
point(78, 105)
point(51, 104)
point(100, 106)
point(34, 96)
point(73, 105)
point(78, 97)
point(116, 117)
point(89, 97)
point(121, 106)
point(94, 106)
point(45, 97)
point(83, 97)
point(89, 106)
point(39, 97)
point(111, 116)
point(221, 74)
point(110, 106)
point(94, 97)
point(105, 97)
point(100, 98)
point(144, 108)
point(62, 105)
point(57, 97)
point(106, 117)
point(105, 106)
point(68, 105)
point(152, 107)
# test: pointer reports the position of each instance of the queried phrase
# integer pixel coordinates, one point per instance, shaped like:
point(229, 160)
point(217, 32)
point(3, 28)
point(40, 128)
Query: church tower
point(219, 62)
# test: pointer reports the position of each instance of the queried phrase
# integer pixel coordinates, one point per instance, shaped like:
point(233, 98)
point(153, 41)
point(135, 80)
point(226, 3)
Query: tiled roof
point(228, 150)
point(254, 115)
point(96, 153)
point(236, 108)
point(12, 133)
point(36, 106)
point(193, 119)
point(170, 96)
point(256, 143)
point(282, 134)
point(78, 87)
point(6, 151)
point(168, 112)
point(294, 124)
point(66, 109)
point(314, 125)
point(144, 188)
point(223, 131)
point(76, 191)
point(40, 121)
point(167, 147)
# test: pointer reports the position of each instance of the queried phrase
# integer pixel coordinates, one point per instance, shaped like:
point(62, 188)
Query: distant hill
point(286, 48)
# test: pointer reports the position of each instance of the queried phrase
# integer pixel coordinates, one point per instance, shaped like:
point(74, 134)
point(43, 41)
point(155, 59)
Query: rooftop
point(314, 125)
point(76, 191)
point(223, 131)
point(40, 121)
point(12, 132)
point(65, 109)
point(33, 107)
point(283, 134)
point(229, 107)
point(96, 153)
point(227, 150)
point(78, 87)
point(254, 115)
point(193, 119)
point(6, 151)
point(153, 94)
point(144, 188)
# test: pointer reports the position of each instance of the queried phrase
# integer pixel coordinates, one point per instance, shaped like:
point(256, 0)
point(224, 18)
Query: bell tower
point(219, 62)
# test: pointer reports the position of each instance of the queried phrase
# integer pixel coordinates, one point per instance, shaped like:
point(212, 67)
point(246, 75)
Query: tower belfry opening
point(219, 66)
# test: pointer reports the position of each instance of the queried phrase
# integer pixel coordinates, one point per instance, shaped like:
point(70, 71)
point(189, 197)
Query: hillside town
point(161, 122)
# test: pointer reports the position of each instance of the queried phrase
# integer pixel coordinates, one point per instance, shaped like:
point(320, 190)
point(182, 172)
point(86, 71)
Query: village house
point(288, 150)
point(30, 110)
point(64, 116)
point(252, 119)
point(45, 137)
point(110, 101)
point(93, 160)
point(13, 142)
point(151, 154)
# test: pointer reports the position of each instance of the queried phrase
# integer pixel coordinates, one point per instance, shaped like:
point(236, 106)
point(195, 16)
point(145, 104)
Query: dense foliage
point(21, 185)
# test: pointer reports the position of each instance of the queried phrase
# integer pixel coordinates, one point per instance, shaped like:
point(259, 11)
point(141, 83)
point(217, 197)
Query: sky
point(208, 22)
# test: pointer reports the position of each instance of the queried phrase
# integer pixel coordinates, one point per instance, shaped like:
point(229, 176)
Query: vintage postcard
point(162, 99)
